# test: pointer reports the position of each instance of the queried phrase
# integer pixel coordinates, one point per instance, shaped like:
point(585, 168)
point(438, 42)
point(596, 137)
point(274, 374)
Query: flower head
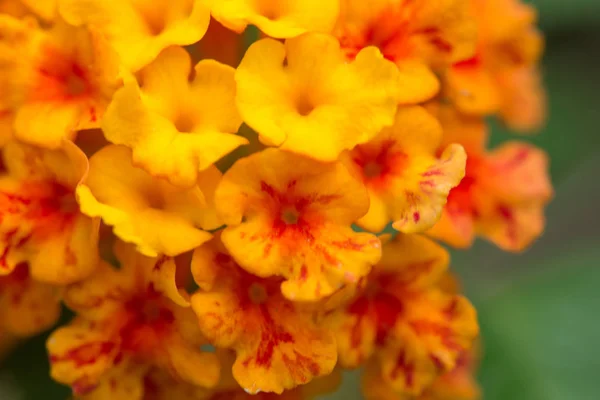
point(129, 320)
point(408, 182)
point(156, 216)
point(276, 18)
point(415, 331)
point(291, 216)
point(278, 345)
point(303, 96)
point(419, 36)
point(140, 29)
point(503, 194)
point(55, 81)
point(174, 126)
point(40, 220)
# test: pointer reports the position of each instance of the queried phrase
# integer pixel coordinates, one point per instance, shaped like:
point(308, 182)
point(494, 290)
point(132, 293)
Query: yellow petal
point(278, 19)
point(140, 30)
point(176, 128)
point(305, 97)
point(156, 216)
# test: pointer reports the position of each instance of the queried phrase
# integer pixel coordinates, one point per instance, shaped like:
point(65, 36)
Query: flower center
point(257, 293)
point(304, 106)
point(290, 216)
point(75, 85)
point(185, 123)
point(372, 169)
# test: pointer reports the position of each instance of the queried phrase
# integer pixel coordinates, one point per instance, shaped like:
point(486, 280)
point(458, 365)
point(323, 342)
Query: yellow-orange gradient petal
point(408, 182)
point(427, 341)
point(278, 345)
point(28, 307)
point(306, 98)
point(410, 264)
point(41, 222)
point(291, 216)
point(57, 81)
point(140, 29)
point(277, 18)
point(503, 77)
point(174, 126)
point(419, 36)
point(518, 179)
point(156, 216)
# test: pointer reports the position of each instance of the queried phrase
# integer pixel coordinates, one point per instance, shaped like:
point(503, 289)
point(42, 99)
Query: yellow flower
point(151, 213)
point(41, 222)
point(278, 345)
point(27, 306)
point(291, 216)
point(277, 18)
point(128, 320)
point(55, 81)
point(408, 183)
point(306, 98)
point(415, 331)
point(419, 36)
point(175, 127)
point(140, 29)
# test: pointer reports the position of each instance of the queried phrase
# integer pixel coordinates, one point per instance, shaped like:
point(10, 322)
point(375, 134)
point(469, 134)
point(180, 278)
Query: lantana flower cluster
point(211, 187)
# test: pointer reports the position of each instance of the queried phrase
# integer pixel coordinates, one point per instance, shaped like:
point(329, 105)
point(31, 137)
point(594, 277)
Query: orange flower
point(305, 97)
point(27, 307)
point(128, 320)
point(279, 19)
point(41, 222)
point(140, 29)
point(56, 81)
point(458, 384)
point(502, 78)
point(503, 194)
point(291, 216)
point(278, 344)
point(156, 216)
point(419, 36)
point(416, 331)
point(408, 183)
point(176, 128)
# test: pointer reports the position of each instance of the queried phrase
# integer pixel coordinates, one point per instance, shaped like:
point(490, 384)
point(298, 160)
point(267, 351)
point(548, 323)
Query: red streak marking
point(416, 217)
point(271, 336)
point(348, 244)
point(405, 368)
point(85, 354)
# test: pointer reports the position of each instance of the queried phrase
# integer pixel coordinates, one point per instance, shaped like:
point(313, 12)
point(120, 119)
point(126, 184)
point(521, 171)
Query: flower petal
point(156, 216)
point(305, 97)
point(140, 30)
point(277, 19)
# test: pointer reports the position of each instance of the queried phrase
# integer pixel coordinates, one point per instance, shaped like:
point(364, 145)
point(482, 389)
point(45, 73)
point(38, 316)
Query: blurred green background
point(539, 311)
